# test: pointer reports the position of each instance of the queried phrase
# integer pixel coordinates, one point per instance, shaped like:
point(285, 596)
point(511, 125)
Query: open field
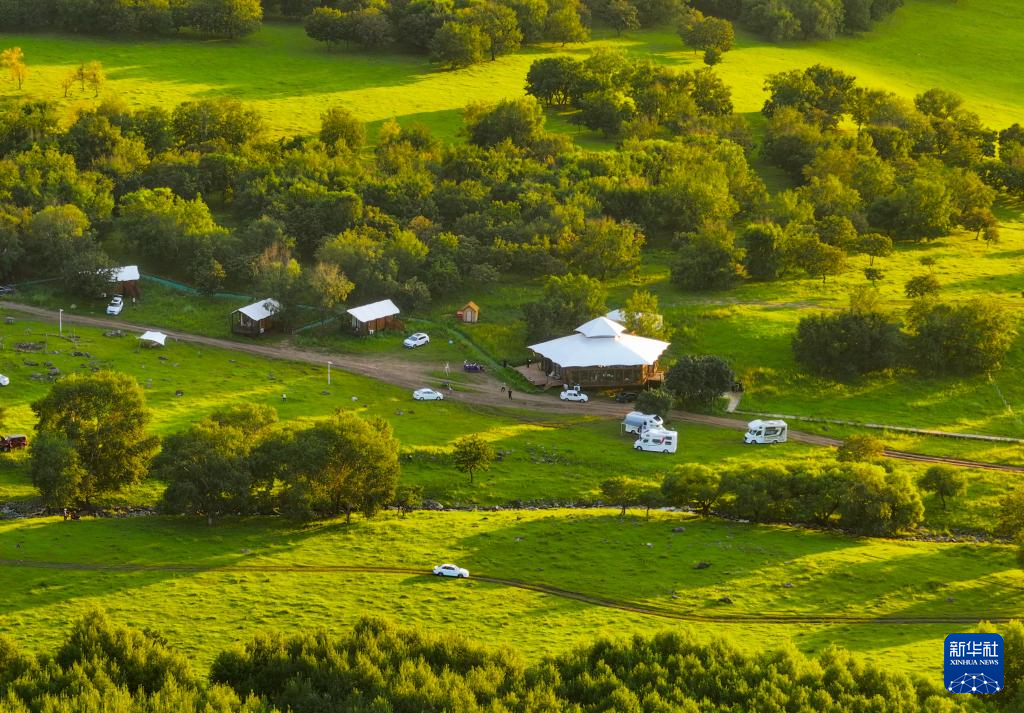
point(632, 559)
point(292, 79)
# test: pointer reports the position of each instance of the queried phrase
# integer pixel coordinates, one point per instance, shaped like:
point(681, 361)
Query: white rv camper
point(759, 431)
point(658, 440)
point(637, 422)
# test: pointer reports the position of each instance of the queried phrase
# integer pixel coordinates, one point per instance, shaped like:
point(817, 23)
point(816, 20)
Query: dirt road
point(485, 391)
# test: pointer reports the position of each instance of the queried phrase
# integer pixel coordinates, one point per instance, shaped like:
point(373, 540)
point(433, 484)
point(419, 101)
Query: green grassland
point(634, 559)
point(545, 456)
point(292, 79)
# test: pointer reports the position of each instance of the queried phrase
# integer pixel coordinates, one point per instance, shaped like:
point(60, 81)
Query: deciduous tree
point(472, 454)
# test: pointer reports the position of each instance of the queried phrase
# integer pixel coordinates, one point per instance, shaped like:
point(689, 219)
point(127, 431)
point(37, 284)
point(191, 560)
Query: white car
point(4, 381)
point(427, 395)
point(450, 570)
point(574, 395)
point(416, 340)
point(116, 305)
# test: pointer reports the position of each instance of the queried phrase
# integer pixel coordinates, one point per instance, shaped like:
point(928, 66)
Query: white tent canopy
point(153, 338)
point(377, 310)
point(598, 344)
point(128, 273)
point(260, 310)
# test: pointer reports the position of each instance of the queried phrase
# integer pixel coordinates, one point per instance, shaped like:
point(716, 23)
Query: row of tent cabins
point(261, 317)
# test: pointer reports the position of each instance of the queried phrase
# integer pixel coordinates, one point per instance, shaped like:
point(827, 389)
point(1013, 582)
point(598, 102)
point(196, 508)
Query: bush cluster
point(860, 497)
point(377, 666)
point(216, 18)
point(781, 20)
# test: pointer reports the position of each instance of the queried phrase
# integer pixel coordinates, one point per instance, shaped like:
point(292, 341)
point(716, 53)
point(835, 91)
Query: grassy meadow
point(292, 79)
point(633, 559)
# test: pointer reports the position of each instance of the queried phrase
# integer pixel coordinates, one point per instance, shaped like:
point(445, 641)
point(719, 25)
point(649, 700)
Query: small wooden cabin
point(255, 319)
point(375, 317)
point(470, 314)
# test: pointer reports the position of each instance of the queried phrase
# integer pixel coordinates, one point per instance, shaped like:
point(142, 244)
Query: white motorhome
point(759, 431)
point(659, 440)
point(636, 422)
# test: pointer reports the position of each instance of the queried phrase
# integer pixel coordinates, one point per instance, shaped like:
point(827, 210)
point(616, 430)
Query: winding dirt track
point(484, 392)
point(631, 607)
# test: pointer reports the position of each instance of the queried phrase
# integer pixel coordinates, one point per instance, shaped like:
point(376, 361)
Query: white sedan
point(574, 395)
point(427, 395)
point(416, 340)
point(450, 570)
point(116, 305)
point(4, 381)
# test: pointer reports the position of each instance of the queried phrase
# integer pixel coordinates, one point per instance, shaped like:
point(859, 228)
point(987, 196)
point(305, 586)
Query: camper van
point(636, 422)
point(759, 431)
point(658, 440)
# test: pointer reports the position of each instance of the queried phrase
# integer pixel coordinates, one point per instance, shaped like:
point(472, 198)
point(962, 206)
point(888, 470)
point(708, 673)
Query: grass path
point(620, 604)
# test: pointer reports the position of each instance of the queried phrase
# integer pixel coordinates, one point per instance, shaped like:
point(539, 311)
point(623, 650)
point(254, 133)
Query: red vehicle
point(10, 443)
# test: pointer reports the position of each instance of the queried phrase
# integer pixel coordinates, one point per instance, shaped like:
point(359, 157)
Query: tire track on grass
point(618, 604)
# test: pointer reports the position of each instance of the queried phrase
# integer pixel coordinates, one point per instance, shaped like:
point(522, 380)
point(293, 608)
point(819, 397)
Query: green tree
point(563, 23)
point(340, 128)
point(56, 470)
point(874, 245)
point(1011, 514)
point(847, 344)
point(945, 481)
point(692, 485)
point(818, 259)
point(699, 380)
point(552, 79)
point(328, 285)
point(567, 302)
point(708, 33)
point(621, 15)
point(706, 261)
point(206, 470)
point(879, 503)
point(103, 418)
point(327, 25)
point(643, 316)
point(622, 491)
point(231, 19)
point(340, 465)
point(922, 286)
point(657, 401)
point(968, 338)
point(520, 121)
point(472, 454)
point(604, 248)
point(13, 60)
point(861, 448)
point(408, 498)
point(763, 248)
point(501, 27)
point(459, 44)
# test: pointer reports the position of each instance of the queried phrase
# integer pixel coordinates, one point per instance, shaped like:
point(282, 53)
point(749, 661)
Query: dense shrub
point(846, 344)
point(217, 18)
point(780, 20)
point(968, 338)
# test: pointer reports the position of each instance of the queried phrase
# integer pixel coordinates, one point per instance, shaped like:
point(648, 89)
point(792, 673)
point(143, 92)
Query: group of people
point(70, 514)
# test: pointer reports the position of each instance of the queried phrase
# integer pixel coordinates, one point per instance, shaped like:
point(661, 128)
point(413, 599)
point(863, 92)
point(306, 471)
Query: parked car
point(416, 340)
point(574, 394)
point(11, 443)
point(427, 395)
point(625, 397)
point(450, 570)
point(116, 305)
point(4, 381)
point(636, 422)
point(658, 440)
point(6, 290)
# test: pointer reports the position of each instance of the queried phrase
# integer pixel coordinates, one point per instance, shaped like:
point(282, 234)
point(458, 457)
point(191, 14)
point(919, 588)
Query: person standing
point(510, 393)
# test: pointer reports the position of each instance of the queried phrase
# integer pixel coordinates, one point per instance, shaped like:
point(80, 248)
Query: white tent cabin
point(371, 318)
point(255, 319)
point(600, 354)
